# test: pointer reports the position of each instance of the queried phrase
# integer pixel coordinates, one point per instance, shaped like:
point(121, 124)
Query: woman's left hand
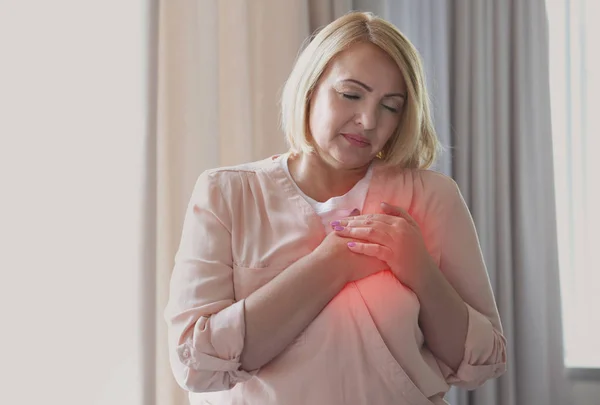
point(393, 237)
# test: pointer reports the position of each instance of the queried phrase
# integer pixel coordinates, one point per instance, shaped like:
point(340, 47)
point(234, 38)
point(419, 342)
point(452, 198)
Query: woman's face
point(356, 106)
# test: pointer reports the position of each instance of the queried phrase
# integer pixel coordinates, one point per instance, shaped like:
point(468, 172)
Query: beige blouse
point(247, 223)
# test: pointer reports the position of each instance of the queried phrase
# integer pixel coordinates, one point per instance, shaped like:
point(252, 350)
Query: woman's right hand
point(334, 254)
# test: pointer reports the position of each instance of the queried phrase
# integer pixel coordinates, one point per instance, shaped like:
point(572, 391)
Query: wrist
point(423, 277)
point(324, 268)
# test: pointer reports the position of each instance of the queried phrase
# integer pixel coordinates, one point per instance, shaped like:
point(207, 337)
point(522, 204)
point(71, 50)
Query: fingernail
point(351, 244)
point(354, 212)
point(339, 228)
point(335, 223)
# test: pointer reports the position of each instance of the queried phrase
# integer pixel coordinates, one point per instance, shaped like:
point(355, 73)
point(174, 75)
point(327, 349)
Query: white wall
point(72, 127)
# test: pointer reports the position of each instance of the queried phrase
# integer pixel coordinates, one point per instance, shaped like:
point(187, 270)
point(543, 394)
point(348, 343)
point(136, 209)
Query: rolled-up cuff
point(485, 354)
point(226, 338)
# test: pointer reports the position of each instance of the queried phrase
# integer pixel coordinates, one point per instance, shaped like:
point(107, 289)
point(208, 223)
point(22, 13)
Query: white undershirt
point(336, 207)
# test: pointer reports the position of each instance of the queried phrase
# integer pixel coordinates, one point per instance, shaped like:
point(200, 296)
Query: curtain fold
point(502, 161)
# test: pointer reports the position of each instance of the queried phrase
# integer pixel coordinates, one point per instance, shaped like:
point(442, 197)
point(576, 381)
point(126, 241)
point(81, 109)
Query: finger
point(368, 233)
point(398, 212)
point(366, 219)
point(380, 252)
point(362, 223)
point(352, 222)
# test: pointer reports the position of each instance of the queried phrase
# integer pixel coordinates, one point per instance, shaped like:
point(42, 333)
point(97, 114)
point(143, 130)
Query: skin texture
point(342, 108)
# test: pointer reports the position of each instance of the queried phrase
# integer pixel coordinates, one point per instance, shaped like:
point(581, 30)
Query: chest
point(278, 230)
point(277, 226)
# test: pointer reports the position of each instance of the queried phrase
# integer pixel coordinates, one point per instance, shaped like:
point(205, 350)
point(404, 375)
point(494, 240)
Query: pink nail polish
point(339, 228)
point(335, 223)
point(351, 244)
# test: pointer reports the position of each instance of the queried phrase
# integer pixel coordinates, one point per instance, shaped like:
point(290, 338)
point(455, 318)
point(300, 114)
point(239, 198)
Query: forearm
point(278, 312)
point(443, 317)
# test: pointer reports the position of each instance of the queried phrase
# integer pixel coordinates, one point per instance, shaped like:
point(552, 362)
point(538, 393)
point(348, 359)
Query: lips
point(357, 140)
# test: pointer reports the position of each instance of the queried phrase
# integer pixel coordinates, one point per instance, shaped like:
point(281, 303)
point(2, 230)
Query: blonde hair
point(414, 144)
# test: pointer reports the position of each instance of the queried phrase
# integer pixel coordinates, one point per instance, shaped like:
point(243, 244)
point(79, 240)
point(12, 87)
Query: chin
point(349, 160)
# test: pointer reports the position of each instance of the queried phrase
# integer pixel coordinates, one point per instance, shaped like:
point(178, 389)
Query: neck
point(320, 180)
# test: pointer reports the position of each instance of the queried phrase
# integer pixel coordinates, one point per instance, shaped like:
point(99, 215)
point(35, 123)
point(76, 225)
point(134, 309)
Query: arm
point(300, 292)
point(443, 317)
point(213, 339)
point(458, 316)
point(278, 312)
point(462, 278)
point(205, 323)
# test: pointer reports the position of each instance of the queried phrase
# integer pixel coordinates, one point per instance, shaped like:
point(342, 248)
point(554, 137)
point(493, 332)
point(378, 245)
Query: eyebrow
point(369, 89)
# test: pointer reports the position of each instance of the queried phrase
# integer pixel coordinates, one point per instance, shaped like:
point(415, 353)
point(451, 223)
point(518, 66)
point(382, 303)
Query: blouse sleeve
point(462, 263)
point(206, 325)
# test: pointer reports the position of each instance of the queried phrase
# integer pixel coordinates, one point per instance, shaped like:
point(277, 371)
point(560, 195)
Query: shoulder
point(239, 181)
point(226, 174)
point(436, 189)
point(425, 183)
point(435, 184)
point(244, 168)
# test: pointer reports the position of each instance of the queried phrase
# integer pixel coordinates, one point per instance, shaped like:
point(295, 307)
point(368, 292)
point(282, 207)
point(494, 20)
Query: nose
point(367, 117)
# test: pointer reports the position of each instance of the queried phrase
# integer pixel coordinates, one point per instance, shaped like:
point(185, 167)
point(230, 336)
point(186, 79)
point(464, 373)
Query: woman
point(283, 293)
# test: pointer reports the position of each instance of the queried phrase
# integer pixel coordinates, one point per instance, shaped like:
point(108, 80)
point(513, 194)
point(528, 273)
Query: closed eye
point(350, 96)
point(392, 109)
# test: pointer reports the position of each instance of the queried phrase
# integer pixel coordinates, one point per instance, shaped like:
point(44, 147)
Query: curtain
point(503, 163)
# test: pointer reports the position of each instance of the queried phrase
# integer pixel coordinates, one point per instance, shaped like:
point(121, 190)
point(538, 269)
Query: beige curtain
point(221, 67)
